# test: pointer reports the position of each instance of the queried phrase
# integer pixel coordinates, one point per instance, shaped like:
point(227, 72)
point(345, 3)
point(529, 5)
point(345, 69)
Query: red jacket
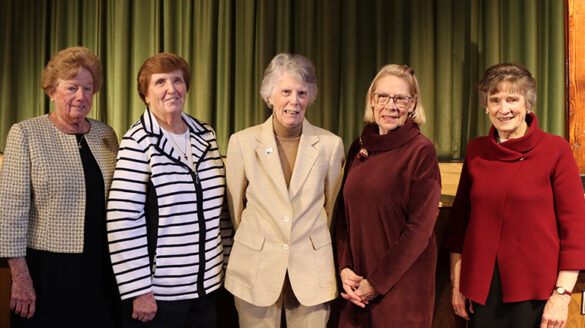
point(520, 202)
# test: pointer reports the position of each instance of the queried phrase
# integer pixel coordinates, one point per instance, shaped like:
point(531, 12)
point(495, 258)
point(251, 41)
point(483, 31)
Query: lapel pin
point(269, 150)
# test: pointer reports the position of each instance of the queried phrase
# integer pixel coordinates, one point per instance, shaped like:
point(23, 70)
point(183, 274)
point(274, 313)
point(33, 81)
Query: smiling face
point(389, 116)
point(73, 97)
point(289, 101)
point(166, 93)
point(507, 111)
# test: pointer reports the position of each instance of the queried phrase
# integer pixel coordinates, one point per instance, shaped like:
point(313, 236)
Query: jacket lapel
point(306, 156)
point(199, 145)
point(267, 152)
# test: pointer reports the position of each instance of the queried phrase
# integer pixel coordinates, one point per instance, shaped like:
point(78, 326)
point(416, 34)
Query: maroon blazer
point(520, 203)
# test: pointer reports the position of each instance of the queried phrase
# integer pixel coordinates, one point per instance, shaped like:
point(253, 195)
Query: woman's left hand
point(351, 283)
point(366, 292)
point(556, 311)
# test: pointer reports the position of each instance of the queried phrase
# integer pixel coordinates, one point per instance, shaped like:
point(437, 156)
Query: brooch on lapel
point(363, 153)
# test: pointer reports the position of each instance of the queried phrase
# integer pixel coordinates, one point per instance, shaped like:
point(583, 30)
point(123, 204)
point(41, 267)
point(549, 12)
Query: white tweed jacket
point(42, 185)
point(280, 229)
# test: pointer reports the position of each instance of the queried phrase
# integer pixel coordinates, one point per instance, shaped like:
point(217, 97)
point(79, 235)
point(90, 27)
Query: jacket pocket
point(249, 238)
point(245, 256)
point(320, 239)
point(323, 257)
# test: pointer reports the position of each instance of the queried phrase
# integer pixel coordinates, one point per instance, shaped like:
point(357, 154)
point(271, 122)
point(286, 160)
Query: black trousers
point(194, 313)
point(497, 314)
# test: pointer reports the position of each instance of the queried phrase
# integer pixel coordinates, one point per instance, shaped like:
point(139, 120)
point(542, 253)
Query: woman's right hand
point(144, 307)
point(351, 282)
point(22, 294)
point(459, 303)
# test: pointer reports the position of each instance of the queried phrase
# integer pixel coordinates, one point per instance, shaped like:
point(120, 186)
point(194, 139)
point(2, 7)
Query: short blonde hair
point(516, 75)
point(66, 64)
point(299, 66)
point(403, 72)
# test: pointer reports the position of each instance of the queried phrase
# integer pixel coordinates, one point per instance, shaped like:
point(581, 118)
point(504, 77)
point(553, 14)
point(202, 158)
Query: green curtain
point(228, 43)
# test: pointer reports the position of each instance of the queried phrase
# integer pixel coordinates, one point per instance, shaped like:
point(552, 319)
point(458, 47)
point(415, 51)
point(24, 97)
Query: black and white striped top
point(181, 211)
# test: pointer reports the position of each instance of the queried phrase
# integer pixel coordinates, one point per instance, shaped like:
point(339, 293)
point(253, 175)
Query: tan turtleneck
point(287, 141)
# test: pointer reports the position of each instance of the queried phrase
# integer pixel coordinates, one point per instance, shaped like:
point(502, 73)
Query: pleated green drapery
point(449, 43)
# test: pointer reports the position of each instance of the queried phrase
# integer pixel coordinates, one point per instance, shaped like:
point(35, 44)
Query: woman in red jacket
point(516, 236)
point(386, 248)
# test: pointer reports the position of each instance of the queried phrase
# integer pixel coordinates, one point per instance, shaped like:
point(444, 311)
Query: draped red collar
point(519, 148)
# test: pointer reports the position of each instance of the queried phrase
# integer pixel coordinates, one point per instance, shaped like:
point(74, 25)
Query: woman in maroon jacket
point(386, 250)
point(517, 234)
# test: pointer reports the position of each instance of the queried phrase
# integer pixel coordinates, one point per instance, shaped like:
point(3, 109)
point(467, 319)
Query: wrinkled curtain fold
point(228, 43)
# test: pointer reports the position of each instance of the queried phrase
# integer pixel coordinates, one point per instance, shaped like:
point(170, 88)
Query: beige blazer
point(280, 228)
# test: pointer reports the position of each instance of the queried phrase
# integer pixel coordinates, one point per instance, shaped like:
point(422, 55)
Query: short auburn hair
point(66, 64)
point(164, 62)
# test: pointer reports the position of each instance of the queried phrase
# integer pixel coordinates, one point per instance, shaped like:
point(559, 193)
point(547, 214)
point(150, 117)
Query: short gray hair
point(296, 65)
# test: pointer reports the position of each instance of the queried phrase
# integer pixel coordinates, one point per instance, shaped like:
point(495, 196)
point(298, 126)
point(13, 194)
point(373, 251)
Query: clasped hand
point(358, 290)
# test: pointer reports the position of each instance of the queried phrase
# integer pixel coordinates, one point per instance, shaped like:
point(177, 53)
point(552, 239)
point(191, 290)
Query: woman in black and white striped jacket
point(168, 237)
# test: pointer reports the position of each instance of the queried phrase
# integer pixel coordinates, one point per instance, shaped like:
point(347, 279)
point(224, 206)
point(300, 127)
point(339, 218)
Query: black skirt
point(496, 313)
point(77, 290)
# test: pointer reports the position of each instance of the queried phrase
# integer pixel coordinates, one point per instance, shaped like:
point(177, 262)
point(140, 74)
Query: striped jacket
point(190, 242)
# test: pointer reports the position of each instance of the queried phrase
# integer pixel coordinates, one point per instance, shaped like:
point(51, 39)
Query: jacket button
point(285, 246)
point(521, 159)
point(286, 219)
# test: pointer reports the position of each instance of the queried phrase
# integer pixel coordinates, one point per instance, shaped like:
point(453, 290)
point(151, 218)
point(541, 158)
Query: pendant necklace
point(79, 146)
point(186, 138)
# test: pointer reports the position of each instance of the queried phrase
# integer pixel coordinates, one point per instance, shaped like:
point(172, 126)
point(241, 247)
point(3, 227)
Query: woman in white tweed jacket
point(167, 241)
point(54, 180)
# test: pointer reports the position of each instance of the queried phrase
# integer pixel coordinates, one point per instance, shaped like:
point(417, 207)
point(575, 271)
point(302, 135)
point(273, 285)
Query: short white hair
point(296, 65)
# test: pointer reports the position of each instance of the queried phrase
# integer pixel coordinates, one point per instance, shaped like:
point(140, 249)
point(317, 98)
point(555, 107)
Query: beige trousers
point(296, 314)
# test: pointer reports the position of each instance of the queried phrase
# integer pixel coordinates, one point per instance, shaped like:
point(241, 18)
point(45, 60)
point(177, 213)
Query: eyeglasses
point(399, 101)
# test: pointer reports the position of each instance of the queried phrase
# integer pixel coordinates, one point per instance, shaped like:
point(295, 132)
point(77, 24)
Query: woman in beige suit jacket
point(281, 205)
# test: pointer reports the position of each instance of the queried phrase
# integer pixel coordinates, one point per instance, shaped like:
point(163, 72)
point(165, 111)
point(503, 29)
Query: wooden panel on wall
point(576, 81)
point(575, 63)
point(4, 289)
point(4, 297)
